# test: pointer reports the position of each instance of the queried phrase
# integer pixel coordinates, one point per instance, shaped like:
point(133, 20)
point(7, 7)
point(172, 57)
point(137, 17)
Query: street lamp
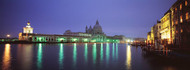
point(8, 35)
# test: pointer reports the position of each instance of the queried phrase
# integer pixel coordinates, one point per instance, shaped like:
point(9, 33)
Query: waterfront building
point(4, 40)
point(174, 28)
point(166, 28)
point(157, 34)
point(28, 28)
point(181, 22)
point(90, 35)
point(97, 33)
point(149, 40)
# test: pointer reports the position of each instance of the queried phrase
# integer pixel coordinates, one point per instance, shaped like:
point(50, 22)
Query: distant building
point(94, 34)
point(68, 32)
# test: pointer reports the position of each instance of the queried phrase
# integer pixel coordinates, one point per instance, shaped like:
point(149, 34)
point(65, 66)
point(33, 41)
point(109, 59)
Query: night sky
point(132, 18)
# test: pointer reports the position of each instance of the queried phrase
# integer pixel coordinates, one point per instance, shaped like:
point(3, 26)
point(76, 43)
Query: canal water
point(85, 56)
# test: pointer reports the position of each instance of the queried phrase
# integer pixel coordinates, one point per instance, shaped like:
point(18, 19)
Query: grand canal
point(84, 56)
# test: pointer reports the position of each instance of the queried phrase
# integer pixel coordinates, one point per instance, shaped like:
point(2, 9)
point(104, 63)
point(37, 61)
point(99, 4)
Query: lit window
point(175, 9)
point(176, 23)
point(181, 19)
point(172, 23)
point(180, 6)
point(187, 16)
point(181, 30)
point(186, 3)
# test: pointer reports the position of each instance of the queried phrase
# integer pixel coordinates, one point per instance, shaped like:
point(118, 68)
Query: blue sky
point(132, 18)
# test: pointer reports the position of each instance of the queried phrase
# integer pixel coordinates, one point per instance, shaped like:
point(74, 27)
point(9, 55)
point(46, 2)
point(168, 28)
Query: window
point(181, 30)
point(176, 22)
point(172, 23)
point(187, 16)
point(186, 3)
point(181, 19)
point(180, 6)
point(176, 9)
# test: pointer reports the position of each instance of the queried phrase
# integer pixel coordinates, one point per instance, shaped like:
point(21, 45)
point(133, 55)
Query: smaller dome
point(67, 31)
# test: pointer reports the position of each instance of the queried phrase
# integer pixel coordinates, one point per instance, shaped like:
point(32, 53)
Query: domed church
point(97, 29)
point(96, 32)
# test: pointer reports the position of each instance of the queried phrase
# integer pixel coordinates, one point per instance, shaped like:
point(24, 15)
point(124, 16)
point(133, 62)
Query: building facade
point(180, 22)
point(174, 28)
point(166, 28)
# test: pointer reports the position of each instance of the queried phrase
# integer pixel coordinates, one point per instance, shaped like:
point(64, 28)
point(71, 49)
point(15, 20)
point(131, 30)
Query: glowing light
point(181, 19)
point(7, 57)
point(74, 39)
point(85, 40)
point(39, 57)
point(8, 35)
point(186, 3)
point(40, 39)
point(61, 56)
point(61, 39)
point(128, 56)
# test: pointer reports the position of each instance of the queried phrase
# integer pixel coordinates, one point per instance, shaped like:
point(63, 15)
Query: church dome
point(97, 28)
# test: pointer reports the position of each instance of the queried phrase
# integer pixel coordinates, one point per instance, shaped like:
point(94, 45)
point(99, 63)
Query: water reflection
point(107, 53)
point(101, 52)
point(24, 55)
point(94, 53)
point(39, 57)
point(74, 55)
point(128, 56)
point(113, 51)
point(7, 57)
point(61, 56)
point(86, 52)
point(116, 51)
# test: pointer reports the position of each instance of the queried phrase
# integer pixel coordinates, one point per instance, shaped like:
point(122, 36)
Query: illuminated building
point(180, 22)
point(28, 28)
point(91, 35)
point(149, 40)
point(174, 27)
point(166, 28)
point(157, 34)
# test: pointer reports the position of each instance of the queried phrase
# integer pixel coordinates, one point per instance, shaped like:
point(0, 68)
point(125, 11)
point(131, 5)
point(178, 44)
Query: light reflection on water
point(128, 56)
point(107, 53)
point(61, 56)
point(75, 56)
point(86, 53)
point(101, 52)
point(24, 56)
point(39, 57)
point(94, 53)
point(7, 57)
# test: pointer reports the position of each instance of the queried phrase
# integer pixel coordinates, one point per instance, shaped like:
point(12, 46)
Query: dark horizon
point(129, 18)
